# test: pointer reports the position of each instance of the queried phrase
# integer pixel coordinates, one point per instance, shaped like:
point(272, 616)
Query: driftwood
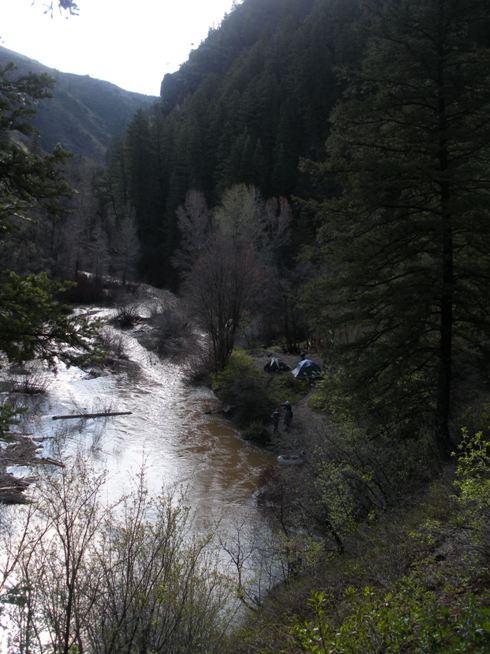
point(103, 414)
point(53, 462)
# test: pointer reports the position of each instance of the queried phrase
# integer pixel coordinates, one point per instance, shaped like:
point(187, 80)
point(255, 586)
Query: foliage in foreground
point(79, 576)
point(412, 616)
point(407, 620)
point(34, 324)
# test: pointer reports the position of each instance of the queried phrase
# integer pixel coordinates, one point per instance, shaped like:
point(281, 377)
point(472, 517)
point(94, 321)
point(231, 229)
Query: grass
point(253, 394)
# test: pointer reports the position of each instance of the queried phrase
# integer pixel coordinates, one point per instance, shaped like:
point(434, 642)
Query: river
point(175, 433)
point(168, 432)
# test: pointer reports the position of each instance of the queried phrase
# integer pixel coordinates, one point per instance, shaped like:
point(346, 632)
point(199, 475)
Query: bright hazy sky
point(131, 43)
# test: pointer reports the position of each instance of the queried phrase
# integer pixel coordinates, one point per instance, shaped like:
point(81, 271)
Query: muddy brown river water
point(175, 434)
point(168, 432)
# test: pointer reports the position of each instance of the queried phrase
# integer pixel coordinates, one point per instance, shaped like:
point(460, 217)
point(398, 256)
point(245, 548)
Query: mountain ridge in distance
point(85, 114)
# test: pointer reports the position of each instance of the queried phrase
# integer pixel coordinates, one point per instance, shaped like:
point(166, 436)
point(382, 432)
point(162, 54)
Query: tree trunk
point(447, 272)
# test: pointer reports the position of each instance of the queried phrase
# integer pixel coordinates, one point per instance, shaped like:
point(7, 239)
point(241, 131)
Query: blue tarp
point(307, 368)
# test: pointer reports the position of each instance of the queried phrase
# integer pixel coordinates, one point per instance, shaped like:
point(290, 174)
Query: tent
point(307, 369)
point(275, 365)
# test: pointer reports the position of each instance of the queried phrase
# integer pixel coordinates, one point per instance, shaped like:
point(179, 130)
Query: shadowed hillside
point(84, 114)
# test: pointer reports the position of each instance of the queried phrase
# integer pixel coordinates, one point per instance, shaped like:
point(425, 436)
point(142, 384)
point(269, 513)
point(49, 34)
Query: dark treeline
point(250, 102)
point(370, 119)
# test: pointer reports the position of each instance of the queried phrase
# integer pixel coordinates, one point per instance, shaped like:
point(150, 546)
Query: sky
point(131, 43)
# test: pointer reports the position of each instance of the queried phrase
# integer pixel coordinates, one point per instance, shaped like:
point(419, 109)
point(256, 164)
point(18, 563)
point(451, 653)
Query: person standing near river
point(288, 414)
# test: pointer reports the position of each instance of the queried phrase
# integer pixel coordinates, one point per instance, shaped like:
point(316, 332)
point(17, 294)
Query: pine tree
point(406, 242)
point(27, 178)
point(33, 321)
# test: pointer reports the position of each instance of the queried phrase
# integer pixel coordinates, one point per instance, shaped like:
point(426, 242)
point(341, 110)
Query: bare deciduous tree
point(128, 578)
point(230, 260)
point(195, 227)
point(223, 283)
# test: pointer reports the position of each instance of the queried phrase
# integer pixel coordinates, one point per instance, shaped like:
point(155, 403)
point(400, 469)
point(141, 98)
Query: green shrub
point(245, 389)
point(257, 433)
point(284, 386)
point(473, 475)
point(412, 617)
point(238, 363)
point(473, 492)
point(406, 620)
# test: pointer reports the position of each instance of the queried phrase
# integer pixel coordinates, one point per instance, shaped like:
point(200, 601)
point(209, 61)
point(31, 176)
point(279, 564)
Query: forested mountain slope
point(387, 103)
point(250, 102)
point(84, 114)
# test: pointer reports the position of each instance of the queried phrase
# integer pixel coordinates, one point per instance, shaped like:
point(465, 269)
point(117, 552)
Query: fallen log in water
point(103, 414)
point(53, 462)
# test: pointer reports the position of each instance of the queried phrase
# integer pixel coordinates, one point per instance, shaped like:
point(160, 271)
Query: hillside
point(84, 114)
point(252, 101)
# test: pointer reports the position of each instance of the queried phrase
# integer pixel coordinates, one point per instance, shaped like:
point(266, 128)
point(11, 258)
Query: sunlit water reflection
point(168, 433)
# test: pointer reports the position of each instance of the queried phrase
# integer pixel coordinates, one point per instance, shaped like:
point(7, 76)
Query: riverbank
point(400, 550)
point(357, 513)
point(19, 451)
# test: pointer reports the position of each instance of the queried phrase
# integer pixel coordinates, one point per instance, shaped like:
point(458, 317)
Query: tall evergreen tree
point(27, 178)
point(33, 322)
point(406, 241)
point(143, 169)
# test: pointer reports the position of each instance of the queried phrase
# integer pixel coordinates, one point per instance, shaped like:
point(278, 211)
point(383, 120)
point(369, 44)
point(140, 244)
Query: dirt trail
point(307, 424)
